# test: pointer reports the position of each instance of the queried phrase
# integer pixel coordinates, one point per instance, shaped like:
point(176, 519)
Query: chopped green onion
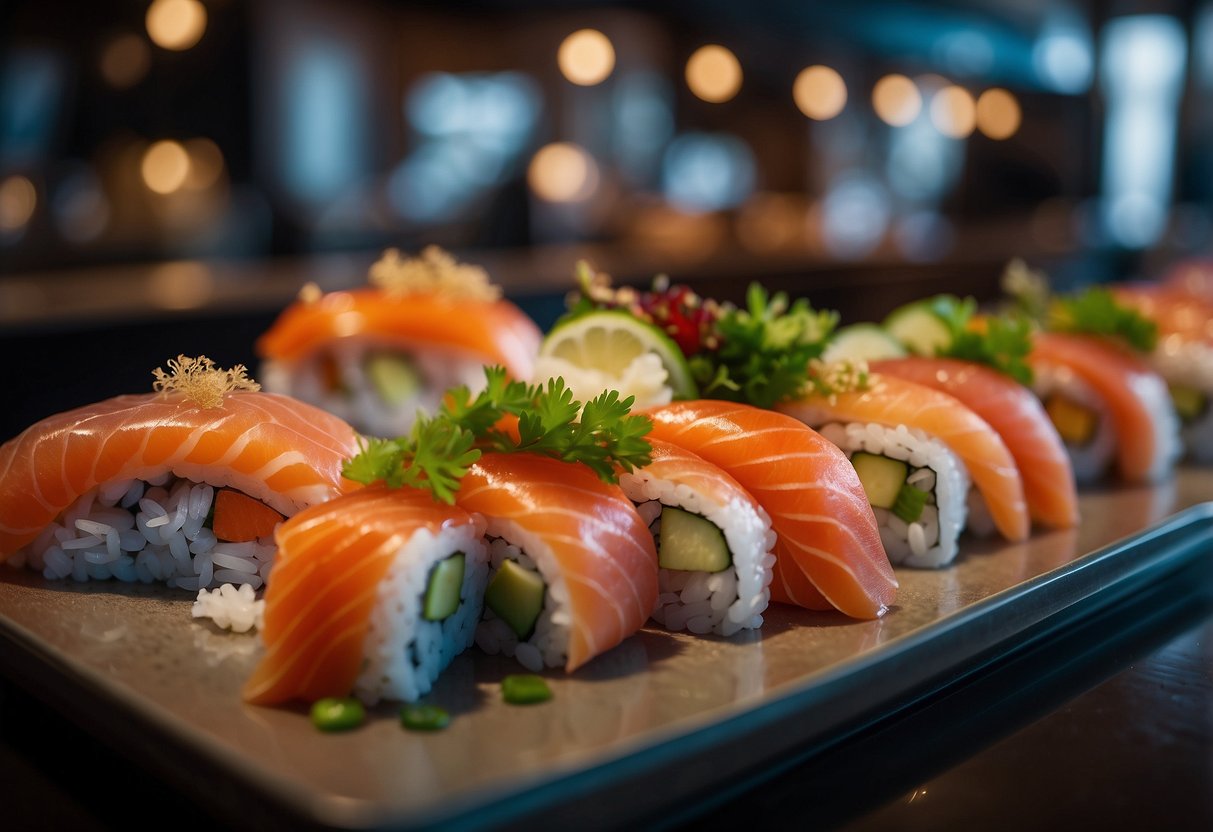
point(333, 714)
point(909, 503)
point(424, 717)
point(524, 689)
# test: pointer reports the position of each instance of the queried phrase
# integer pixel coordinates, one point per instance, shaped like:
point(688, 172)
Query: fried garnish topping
point(201, 381)
point(434, 272)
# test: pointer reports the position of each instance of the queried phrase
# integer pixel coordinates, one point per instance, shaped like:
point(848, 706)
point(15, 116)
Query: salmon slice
point(1020, 420)
point(1137, 399)
point(325, 585)
point(274, 448)
point(828, 552)
point(1173, 312)
point(495, 332)
point(892, 401)
point(600, 546)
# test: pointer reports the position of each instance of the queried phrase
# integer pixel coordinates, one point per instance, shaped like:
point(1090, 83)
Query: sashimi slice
point(274, 448)
point(827, 549)
point(495, 332)
point(1138, 402)
point(602, 548)
point(893, 401)
point(325, 585)
point(1020, 420)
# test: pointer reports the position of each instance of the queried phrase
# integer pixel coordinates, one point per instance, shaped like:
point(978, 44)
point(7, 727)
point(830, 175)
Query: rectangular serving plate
point(658, 719)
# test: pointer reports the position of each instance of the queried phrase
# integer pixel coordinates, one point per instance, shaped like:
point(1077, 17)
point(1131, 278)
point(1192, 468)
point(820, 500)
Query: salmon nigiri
point(574, 570)
point(1017, 416)
point(373, 593)
point(828, 551)
point(916, 451)
point(1108, 405)
point(376, 355)
point(123, 488)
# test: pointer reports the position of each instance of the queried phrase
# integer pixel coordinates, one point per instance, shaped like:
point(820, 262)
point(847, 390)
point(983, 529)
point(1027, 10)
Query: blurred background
point(170, 165)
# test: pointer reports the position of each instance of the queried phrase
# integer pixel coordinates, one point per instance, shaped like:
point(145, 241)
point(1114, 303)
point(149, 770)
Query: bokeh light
point(896, 100)
point(176, 24)
point(125, 61)
point(586, 57)
point(713, 73)
point(953, 112)
point(562, 172)
point(819, 92)
point(205, 164)
point(165, 167)
point(18, 199)
point(998, 114)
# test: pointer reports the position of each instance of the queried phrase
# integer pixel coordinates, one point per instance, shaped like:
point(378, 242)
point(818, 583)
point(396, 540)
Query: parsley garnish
point(999, 342)
point(765, 350)
point(603, 435)
point(1096, 312)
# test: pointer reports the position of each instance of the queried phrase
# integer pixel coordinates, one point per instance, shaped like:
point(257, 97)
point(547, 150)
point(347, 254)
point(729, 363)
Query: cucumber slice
point(394, 377)
point(1190, 403)
point(918, 327)
point(689, 543)
point(882, 478)
point(515, 595)
point(1075, 424)
point(910, 503)
point(442, 588)
point(863, 342)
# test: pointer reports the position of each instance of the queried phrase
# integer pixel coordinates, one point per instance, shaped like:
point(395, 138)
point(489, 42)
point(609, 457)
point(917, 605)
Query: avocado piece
point(1190, 403)
point(394, 377)
point(689, 543)
point(515, 595)
point(882, 478)
point(1075, 424)
point(442, 588)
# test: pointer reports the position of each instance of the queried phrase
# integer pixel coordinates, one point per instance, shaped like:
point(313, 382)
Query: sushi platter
point(691, 712)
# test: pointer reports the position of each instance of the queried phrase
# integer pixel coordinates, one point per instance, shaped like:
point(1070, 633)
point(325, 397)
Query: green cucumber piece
point(689, 543)
point(515, 595)
point(863, 342)
point(909, 503)
point(524, 689)
point(1190, 403)
point(424, 717)
point(442, 588)
point(882, 478)
point(918, 327)
point(394, 377)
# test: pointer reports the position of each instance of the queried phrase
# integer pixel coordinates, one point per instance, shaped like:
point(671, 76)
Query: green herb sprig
point(1096, 311)
point(765, 350)
point(1002, 343)
point(604, 435)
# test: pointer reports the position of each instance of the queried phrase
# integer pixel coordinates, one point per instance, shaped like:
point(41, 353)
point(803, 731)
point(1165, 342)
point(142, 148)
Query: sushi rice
point(722, 602)
point(930, 541)
point(1187, 362)
point(547, 646)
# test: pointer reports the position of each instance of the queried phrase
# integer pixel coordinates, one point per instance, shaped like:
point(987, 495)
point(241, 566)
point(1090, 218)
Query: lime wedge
point(918, 327)
point(610, 345)
point(867, 342)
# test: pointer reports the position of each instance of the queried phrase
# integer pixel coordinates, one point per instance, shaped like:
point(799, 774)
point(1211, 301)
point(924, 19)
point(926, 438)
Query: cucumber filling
point(442, 589)
point(885, 481)
point(1190, 403)
point(394, 377)
point(687, 542)
point(1075, 424)
point(515, 595)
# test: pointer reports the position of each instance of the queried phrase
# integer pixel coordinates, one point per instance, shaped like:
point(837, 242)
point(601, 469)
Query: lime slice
point(867, 342)
point(611, 344)
point(918, 327)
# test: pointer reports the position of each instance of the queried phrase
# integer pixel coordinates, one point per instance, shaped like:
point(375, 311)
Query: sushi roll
point(1018, 417)
point(183, 486)
point(1112, 410)
point(374, 594)
point(573, 570)
point(828, 553)
point(930, 467)
point(714, 543)
point(376, 356)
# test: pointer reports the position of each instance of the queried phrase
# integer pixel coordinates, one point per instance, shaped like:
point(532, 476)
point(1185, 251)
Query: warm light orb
point(176, 24)
point(819, 92)
point(562, 172)
point(586, 57)
point(165, 167)
point(125, 60)
point(953, 112)
point(896, 100)
point(998, 114)
point(713, 74)
point(18, 198)
point(205, 164)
